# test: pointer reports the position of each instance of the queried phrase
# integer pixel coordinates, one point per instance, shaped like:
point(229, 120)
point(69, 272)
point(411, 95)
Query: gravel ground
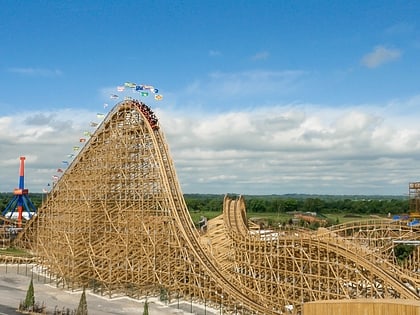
point(14, 283)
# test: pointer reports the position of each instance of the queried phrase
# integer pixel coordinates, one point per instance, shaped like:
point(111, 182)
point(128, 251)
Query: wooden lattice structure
point(117, 222)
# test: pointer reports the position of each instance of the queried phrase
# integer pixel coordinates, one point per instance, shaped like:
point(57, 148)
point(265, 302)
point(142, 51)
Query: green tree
point(82, 309)
point(278, 206)
point(146, 308)
point(290, 205)
point(214, 204)
point(256, 205)
point(313, 205)
point(30, 297)
point(403, 251)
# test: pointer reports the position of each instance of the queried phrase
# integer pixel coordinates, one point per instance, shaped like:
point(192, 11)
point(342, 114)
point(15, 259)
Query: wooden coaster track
point(117, 222)
point(346, 273)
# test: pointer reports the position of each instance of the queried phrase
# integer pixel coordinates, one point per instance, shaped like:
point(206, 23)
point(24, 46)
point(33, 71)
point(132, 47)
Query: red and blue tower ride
point(20, 201)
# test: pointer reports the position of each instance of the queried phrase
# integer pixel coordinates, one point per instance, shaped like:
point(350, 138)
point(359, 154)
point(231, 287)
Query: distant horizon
point(261, 195)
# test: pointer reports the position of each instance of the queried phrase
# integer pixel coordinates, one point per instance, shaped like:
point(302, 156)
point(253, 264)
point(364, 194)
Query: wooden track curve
point(390, 281)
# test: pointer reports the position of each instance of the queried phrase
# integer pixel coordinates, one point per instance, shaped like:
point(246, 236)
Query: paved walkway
point(14, 283)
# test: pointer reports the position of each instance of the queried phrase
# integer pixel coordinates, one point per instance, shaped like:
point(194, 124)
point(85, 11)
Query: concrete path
point(14, 283)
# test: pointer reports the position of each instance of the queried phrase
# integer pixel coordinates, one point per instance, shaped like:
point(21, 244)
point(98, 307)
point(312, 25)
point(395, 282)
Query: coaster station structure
point(117, 222)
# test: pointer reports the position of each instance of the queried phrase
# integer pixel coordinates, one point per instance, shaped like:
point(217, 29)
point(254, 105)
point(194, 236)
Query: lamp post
point(177, 295)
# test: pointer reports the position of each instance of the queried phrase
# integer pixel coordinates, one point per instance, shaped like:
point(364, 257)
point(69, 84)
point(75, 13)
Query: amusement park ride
point(116, 222)
point(20, 206)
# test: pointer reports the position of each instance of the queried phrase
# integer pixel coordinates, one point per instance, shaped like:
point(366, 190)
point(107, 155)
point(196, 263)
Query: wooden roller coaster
point(117, 222)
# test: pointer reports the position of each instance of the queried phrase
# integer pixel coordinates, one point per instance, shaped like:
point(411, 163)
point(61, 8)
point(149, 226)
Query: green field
point(274, 219)
point(14, 252)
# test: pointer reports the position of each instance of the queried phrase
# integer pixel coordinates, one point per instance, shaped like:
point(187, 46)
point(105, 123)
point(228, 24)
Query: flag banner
point(130, 85)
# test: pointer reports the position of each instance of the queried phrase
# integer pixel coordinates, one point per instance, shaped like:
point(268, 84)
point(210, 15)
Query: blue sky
point(260, 97)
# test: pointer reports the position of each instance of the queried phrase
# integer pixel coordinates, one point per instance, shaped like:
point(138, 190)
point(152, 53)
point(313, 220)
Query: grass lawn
point(274, 219)
point(14, 252)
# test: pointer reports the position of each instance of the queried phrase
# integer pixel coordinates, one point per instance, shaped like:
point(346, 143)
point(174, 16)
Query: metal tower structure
point(20, 201)
point(117, 222)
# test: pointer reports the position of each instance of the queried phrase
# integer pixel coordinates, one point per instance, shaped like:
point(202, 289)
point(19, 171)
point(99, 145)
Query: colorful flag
point(87, 133)
point(82, 140)
point(59, 170)
point(75, 148)
point(130, 85)
point(155, 91)
point(120, 88)
point(144, 94)
point(93, 124)
point(128, 98)
point(105, 105)
point(139, 87)
point(44, 191)
point(99, 115)
point(65, 162)
point(113, 96)
point(54, 177)
point(158, 97)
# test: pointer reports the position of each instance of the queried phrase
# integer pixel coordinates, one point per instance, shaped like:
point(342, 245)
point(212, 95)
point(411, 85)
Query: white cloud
point(402, 28)
point(44, 138)
point(236, 90)
point(261, 55)
point(295, 149)
point(37, 72)
point(214, 53)
point(379, 56)
point(301, 148)
point(225, 84)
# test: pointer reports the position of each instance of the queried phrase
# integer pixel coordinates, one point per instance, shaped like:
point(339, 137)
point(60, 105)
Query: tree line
point(281, 203)
point(306, 203)
point(5, 198)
